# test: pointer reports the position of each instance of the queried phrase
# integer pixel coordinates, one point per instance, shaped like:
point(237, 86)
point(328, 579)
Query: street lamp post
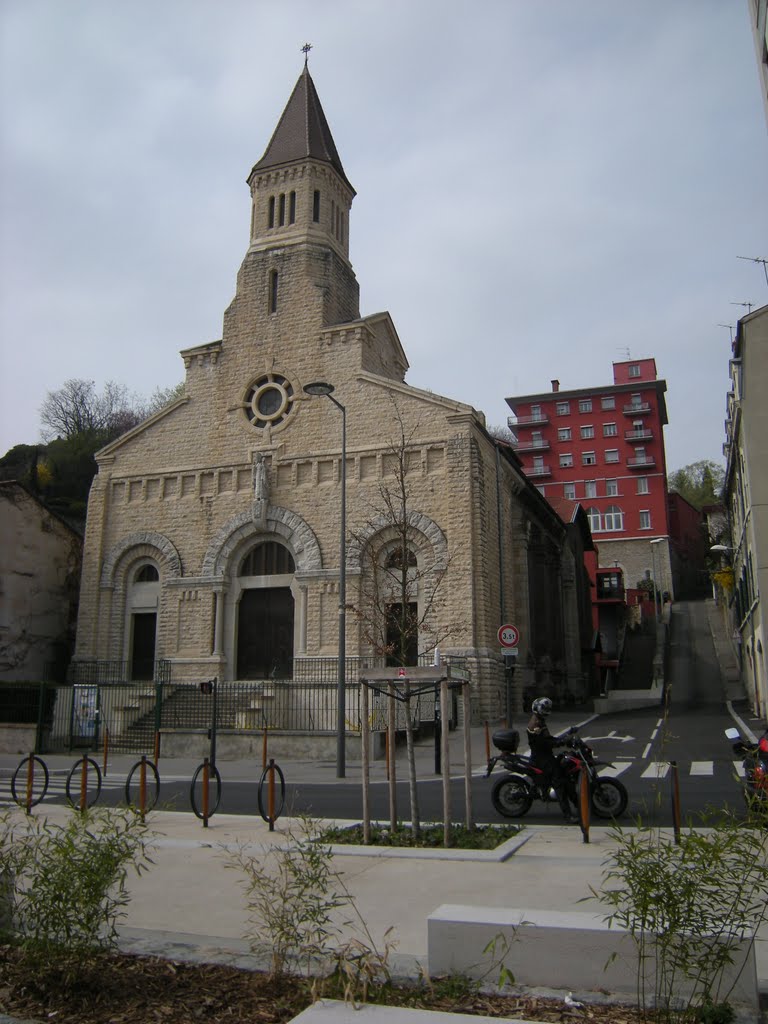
point(322, 388)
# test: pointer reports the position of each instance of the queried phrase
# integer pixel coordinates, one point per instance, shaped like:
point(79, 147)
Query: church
point(213, 533)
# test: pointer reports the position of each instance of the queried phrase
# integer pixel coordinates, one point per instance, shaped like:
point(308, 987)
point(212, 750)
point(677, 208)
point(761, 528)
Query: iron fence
point(99, 697)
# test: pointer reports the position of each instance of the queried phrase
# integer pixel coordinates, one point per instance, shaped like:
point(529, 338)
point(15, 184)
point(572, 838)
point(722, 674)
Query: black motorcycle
point(514, 793)
point(755, 765)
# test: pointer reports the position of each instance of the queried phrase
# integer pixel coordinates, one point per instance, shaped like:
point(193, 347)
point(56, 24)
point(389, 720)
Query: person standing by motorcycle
point(542, 744)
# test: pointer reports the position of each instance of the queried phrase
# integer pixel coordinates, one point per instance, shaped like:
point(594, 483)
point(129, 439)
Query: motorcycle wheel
point(511, 797)
point(609, 798)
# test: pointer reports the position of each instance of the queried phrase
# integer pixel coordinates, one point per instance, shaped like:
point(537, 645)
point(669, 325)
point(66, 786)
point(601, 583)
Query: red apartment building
point(604, 447)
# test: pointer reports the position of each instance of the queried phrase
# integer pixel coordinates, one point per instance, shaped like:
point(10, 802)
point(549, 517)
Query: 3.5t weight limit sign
point(509, 635)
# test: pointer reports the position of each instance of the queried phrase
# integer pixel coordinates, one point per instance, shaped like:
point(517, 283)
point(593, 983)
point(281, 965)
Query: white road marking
point(612, 772)
point(702, 768)
point(656, 770)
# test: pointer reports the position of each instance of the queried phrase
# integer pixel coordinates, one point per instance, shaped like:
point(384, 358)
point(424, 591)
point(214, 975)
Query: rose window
point(268, 400)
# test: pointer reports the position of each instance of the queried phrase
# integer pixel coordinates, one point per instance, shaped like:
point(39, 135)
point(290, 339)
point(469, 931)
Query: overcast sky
point(543, 188)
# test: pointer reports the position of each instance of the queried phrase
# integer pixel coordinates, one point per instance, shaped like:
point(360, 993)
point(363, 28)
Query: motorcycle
point(514, 793)
point(755, 765)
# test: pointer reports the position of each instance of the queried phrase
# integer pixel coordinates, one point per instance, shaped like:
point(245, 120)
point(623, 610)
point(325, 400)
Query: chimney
point(555, 385)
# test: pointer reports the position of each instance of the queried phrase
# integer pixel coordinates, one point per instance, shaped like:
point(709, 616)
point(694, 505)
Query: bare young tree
point(401, 601)
point(76, 409)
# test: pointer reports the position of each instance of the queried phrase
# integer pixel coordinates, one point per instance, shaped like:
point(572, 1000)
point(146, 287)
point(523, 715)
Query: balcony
point(638, 435)
point(539, 445)
point(637, 409)
point(527, 421)
point(537, 472)
point(646, 462)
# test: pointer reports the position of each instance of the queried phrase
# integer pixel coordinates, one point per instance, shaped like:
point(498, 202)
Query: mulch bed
point(123, 989)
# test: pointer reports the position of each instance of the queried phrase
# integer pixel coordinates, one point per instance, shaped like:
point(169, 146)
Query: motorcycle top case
point(506, 740)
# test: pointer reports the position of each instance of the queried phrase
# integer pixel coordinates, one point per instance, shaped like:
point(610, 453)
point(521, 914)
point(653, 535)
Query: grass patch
point(482, 837)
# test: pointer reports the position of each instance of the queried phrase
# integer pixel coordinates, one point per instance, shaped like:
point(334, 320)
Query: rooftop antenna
point(747, 305)
point(756, 259)
point(305, 50)
point(730, 328)
point(626, 351)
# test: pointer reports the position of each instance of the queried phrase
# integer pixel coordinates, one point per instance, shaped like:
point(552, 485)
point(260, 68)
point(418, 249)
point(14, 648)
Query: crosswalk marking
point(613, 771)
point(656, 770)
point(702, 768)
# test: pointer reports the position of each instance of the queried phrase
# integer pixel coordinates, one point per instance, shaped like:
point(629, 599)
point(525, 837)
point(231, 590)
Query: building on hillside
point(39, 579)
point(604, 447)
point(745, 494)
point(688, 548)
point(213, 532)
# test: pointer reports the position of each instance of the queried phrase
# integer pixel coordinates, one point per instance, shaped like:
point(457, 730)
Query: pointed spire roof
point(302, 132)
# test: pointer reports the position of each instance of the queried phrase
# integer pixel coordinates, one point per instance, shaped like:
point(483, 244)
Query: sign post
point(509, 638)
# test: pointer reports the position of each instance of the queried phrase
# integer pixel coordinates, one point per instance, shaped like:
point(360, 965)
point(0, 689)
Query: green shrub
point(66, 885)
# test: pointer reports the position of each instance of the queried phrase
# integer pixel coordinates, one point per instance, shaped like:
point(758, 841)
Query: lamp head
point(319, 387)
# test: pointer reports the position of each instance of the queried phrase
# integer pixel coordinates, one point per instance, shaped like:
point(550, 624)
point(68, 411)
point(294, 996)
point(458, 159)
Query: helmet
point(542, 706)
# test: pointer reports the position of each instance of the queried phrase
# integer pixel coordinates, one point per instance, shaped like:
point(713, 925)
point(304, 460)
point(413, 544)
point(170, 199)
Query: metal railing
point(75, 715)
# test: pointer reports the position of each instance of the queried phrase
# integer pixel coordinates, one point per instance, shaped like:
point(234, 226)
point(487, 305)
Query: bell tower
point(300, 210)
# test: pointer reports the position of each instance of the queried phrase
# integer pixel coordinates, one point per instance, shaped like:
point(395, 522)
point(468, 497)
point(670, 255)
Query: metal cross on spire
point(305, 50)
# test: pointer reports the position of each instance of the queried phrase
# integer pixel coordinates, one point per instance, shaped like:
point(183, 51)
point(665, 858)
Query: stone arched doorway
point(264, 645)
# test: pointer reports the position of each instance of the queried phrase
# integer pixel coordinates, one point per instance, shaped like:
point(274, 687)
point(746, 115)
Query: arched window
point(395, 559)
point(267, 559)
point(292, 208)
point(273, 282)
point(281, 215)
point(146, 574)
point(593, 514)
point(614, 518)
point(271, 215)
point(316, 206)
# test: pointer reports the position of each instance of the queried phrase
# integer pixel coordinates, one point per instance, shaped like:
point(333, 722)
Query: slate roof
point(302, 132)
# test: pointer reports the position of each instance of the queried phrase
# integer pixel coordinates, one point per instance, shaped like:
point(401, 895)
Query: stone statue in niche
point(260, 489)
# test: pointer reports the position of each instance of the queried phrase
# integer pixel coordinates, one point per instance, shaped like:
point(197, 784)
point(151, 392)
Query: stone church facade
point(213, 528)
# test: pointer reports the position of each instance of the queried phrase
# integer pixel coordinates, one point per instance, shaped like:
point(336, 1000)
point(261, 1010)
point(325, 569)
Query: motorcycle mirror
point(732, 734)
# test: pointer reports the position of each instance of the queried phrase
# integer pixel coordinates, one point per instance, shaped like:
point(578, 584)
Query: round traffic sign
point(509, 635)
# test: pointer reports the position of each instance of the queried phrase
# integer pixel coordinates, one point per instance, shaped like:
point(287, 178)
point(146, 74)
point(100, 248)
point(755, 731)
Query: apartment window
point(541, 489)
point(566, 460)
point(563, 408)
point(536, 439)
point(636, 400)
point(645, 520)
point(610, 430)
point(639, 456)
point(593, 515)
point(590, 488)
point(538, 464)
point(642, 485)
point(536, 412)
point(634, 370)
point(611, 488)
point(614, 518)
point(563, 433)
point(611, 454)
point(585, 405)
point(588, 459)
point(569, 491)
point(637, 426)
point(587, 432)
point(608, 402)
